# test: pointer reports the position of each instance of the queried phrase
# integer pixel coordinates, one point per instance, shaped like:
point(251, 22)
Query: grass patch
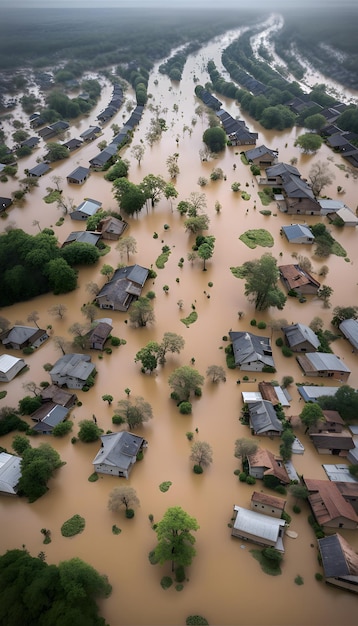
point(165, 486)
point(73, 526)
point(53, 196)
point(338, 250)
point(266, 565)
point(257, 237)
point(93, 477)
point(190, 319)
point(3, 394)
point(116, 530)
point(104, 250)
point(265, 196)
point(162, 259)
point(243, 158)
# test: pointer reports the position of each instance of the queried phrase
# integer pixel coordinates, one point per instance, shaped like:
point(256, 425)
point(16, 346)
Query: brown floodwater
point(225, 583)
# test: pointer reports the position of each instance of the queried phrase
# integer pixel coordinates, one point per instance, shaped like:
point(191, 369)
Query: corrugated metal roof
point(261, 526)
point(10, 472)
point(326, 361)
point(7, 361)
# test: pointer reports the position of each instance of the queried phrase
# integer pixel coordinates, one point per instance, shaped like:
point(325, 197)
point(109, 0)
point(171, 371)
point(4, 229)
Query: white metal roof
point(7, 362)
point(257, 524)
point(10, 472)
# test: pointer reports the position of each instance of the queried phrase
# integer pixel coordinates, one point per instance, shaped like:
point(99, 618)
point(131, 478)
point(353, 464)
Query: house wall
point(261, 541)
point(305, 346)
point(257, 472)
point(71, 383)
point(266, 509)
point(341, 522)
point(254, 366)
point(341, 376)
point(102, 468)
point(343, 584)
point(5, 377)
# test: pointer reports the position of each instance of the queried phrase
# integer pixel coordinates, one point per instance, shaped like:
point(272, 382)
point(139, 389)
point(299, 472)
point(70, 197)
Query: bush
point(180, 574)
point(296, 508)
point(196, 620)
point(152, 558)
point(166, 582)
point(117, 419)
point(279, 342)
point(251, 480)
point(197, 469)
point(318, 576)
point(242, 477)
point(189, 435)
point(261, 325)
point(73, 526)
point(93, 477)
point(281, 489)
point(130, 513)
point(299, 580)
point(286, 351)
point(150, 295)
point(74, 440)
point(198, 392)
point(185, 408)
point(285, 516)
point(115, 341)
point(116, 530)
point(61, 429)
point(253, 322)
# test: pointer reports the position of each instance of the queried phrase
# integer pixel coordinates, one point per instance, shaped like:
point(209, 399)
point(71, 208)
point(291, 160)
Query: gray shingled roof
point(325, 361)
point(74, 365)
point(349, 328)
point(263, 417)
point(118, 449)
point(249, 348)
point(296, 231)
point(298, 333)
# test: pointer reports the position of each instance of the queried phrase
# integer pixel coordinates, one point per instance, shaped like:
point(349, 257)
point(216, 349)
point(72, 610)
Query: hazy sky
point(266, 5)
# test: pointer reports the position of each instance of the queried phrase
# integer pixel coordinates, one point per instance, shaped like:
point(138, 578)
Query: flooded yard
point(225, 583)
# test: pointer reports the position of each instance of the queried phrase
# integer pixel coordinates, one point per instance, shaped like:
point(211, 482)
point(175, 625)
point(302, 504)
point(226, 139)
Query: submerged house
point(47, 416)
point(261, 156)
point(258, 528)
point(296, 279)
point(323, 364)
point(72, 370)
point(263, 419)
point(328, 505)
point(99, 334)
point(298, 233)
point(267, 504)
point(349, 328)
point(339, 562)
point(78, 177)
point(10, 366)
point(112, 228)
point(118, 453)
point(125, 286)
point(300, 338)
point(297, 196)
point(86, 209)
point(10, 473)
point(333, 443)
point(252, 353)
point(264, 463)
point(19, 337)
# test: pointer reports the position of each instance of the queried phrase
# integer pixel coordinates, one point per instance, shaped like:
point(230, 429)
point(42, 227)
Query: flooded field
point(225, 583)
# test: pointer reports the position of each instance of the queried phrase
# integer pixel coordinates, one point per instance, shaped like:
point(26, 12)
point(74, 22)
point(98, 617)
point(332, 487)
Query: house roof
point(333, 417)
point(100, 332)
point(10, 472)
point(39, 169)
point(346, 215)
point(332, 441)
point(259, 151)
point(112, 225)
point(118, 288)
point(327, 204)
point(118, 449)
point(299, 333)
point(250, 348)
point(261, 526)
point(297, 231)
point(282, 168)
point(48, 415)
point(264, 498)
point(338, 557)
point(74, 365)
point(273, 465)
point(92, 130)
point(31, 142)
point(263, 417)
point(82, 236)
point(79, 174)
point(327, 501)
point(58, 396)
point(20, 334)
point(340, 474)
point(7, 361)
point(88, 207)
point(5, 202)
point(349, 328)
point(310, 393)
point(322, 361)
point(296, 277)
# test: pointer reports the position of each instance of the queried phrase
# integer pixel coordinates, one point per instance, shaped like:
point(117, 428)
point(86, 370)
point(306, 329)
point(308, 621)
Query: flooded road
point(225, 583)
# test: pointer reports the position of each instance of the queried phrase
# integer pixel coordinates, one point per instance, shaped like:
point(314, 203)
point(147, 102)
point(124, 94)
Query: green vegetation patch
point(53, 196)
point(190, 319)
point(166, 582)
point(3, 394)
point(245, 195)
point(116, 530)
point(267, 565)
point(93, 477)
point(243, 158)
point(338, 250)
point(165, 485)
point(73, 526)
point(162, 259)
point(265, 196)
point(257, 237)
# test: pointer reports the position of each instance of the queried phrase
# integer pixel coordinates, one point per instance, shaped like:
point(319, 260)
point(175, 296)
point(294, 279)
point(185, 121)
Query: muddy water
point(226, 583)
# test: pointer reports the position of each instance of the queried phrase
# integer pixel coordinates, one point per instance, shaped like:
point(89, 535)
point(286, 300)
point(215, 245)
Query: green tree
point(134, 411)
point(309, 142)
point(345, 401)
point(184, 381)
point(127, 245)
point(175, 541)
point(216, 373)
point(278, 117)
point(341, 313)
point(62, 429)
point(315, 122)
point(171, 342)
point(287, 439)
point(205, 252)
point(325, 293)
point(197, 224)
point(215, 138)
point(56, 152)
point(201, 453)
point(129, 196)
point(172, 165)
point(261, 282)
point(62, 278)
point(108, 271)
point(141, 312)
point(244, 447)
point(118, 170)
point(89, 431)
point(29, 404)
point(148, 356)
point(107, 398)
point(311, 415)
point(153, 187)
point(300, 492)
point(37, 467)
point(80, 253)
point(320, 176)
point(20, 444)
point(170, 192)
point(122, 496)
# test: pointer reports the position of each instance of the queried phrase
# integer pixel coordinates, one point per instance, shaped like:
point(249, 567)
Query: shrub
point(165, 485)
point(115, 341)
point(261, 325)
point(197, 469)
point(253, 322)
point(279, 342)
point(116, 530)
point(153, 560)
point(198, 392)
point(151, 295)
point(180, 574)
point(189, 435)
point(196, 620)
point(179, 587)
point(251, 480)
point(285, 516)
point(73, 526)
point(245, 378)
point(299, 580)
point(166, 582)
point(185, 408)
point(130, 513)
point(93, 477)
point(318, 576)
point(242, 477)
point(296, 508)
point(74, 440)
point(280, 489)
point(286, 351)
point(117, 419)
point(62, 428)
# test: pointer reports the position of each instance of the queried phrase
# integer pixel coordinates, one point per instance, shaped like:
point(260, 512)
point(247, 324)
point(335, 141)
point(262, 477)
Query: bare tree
point(137, 152)
point(216, 373)
point(79, 331)
point(305, 263)
point(31, 386)
point(33, 317)
point(127, 245)
point(92, 288)
point(244, 447)
point(201, 453)
point(67, 205)
point(122, 497)
point(320, 176)
point(317, 324)
point(61, 344)
point(58, 310)
point(89, 311)
point(4, 324)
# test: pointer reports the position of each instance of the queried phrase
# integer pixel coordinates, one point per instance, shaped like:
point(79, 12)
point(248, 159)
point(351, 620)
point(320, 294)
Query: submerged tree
point(216, 373)
point(320, 176)
point(122, 497)
point(185, 380)
point(175, 541)
point(134, 411)
point(201, 453)
point(141, 312)
point(244, 447)
point(261, 282)
point(127, 245)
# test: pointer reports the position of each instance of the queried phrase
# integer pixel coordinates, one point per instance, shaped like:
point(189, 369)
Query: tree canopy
point(185, 380)
point(261, 282)
point(122, 497)
point(215, 139)
point(37, 594)
point(309, 142)
point(345, 401)
point(37, 467)
point(175, 541)
point(134, 411)
point(311, 414)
